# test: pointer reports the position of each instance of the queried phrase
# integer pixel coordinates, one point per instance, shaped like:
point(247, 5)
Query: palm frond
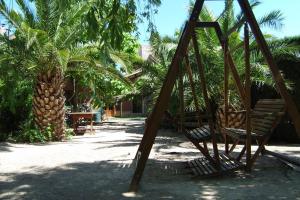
point(27, 12)
point(274, 19)
point(11, 16)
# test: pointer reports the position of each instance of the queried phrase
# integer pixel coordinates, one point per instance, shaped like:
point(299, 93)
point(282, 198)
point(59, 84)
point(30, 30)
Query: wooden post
point(189, 72)
point(192, 84)
point(291, 106)
point(181, 99)
point(205, 94)
point(121, 109)
point(226, 77)
point(248, 97)
point(231, 64)
point(163, 99)
point(226, 99)
point(230, 61)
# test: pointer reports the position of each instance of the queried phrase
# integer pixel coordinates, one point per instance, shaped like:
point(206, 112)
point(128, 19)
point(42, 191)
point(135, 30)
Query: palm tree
point(51, 40)
point(231, 25)
point(212, 55)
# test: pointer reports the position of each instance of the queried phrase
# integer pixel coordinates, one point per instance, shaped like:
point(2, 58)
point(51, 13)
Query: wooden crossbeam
point(291, 106)
point(206, 24)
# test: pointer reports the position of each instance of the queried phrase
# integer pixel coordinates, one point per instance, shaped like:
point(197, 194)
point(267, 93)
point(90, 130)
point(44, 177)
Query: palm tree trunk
point(48, 102)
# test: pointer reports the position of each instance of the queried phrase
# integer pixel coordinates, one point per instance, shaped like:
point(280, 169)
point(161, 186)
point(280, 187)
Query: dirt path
point(99, 167)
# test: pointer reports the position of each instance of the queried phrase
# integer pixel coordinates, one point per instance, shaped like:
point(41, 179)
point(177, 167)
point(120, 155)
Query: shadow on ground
point(4, 147)
point(165, 177)
point(162, 180)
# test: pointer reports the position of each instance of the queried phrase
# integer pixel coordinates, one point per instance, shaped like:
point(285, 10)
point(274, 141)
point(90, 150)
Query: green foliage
point(69, 133)
point(78, 37)
point(212, 58)
point(30, 133)
point(15, 93)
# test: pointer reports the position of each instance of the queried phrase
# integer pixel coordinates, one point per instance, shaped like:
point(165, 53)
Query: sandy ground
point(99, 167)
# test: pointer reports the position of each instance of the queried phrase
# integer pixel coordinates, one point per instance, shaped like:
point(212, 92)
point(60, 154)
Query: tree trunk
point(49, 101)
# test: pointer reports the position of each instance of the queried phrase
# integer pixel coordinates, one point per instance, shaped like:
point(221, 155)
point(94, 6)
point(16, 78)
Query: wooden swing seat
point(204, 168)
point(264, 118)
point(199, 134)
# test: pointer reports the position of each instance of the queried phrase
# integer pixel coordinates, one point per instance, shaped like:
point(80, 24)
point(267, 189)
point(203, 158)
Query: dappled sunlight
point(100, 166)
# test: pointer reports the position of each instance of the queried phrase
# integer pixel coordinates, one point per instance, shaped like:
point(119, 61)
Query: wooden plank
point(190, 164)
point(268, 110)
point(261, 129)
point(237, 163)
point(200, 134)
point(194, 168)
point(205, 165)
point(200, 171)
point(263, 125)
point(205, 24)
point(272, 101)
point(196, 135)
point(195, 172)
point(225, 162)
point(291, 106)
point(271, 104)
point(233, 163)
point(202, 167)
point(205, 168)
point(211, 168)
point(263, 120)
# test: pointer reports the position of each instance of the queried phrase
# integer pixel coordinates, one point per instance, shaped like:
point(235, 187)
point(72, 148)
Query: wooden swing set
point(260, 121)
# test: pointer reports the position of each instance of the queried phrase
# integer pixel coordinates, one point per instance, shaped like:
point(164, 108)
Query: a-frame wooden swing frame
point(188, 34)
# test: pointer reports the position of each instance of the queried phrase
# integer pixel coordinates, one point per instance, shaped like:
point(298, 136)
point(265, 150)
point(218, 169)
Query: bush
point(30, 133)
point(68, 134)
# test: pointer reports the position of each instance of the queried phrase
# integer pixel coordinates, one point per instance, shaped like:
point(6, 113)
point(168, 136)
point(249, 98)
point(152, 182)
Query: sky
point(173, 13)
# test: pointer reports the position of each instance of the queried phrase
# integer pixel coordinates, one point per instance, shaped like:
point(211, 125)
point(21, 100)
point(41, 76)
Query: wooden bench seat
point(264, 118)
point(199, 134)
point(204, 168)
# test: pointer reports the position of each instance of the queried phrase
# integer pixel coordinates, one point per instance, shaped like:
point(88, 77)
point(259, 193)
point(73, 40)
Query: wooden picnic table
point(77, 116)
